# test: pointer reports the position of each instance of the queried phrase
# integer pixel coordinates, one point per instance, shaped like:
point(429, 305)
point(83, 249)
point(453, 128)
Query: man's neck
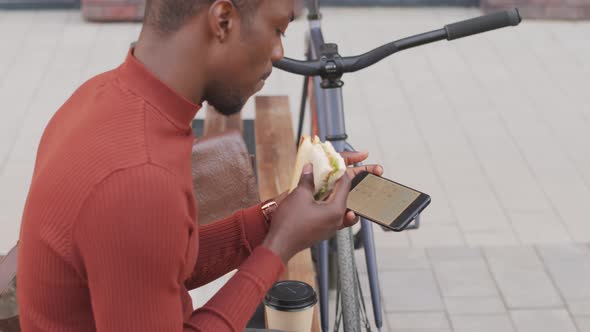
point(171, 60)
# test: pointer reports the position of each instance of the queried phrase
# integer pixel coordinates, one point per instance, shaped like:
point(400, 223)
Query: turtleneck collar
point(142, 81)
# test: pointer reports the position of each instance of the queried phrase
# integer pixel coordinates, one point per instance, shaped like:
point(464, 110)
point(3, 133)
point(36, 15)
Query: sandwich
point(328, 165)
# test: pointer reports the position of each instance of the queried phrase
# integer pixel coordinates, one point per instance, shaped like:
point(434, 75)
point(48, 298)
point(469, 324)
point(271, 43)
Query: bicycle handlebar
point(449, 32)
point(483, 24)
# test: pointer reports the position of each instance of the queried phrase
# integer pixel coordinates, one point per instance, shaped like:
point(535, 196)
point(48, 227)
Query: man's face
point(244, 59)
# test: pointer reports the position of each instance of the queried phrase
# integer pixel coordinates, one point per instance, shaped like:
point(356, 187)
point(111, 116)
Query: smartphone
point(385, 202)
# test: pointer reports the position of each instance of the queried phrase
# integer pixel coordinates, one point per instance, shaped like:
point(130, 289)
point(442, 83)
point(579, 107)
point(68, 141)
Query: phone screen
point(380, 199)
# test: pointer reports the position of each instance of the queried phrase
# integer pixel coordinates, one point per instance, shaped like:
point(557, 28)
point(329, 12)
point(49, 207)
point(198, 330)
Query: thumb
point(306, 180)
point(341, 189)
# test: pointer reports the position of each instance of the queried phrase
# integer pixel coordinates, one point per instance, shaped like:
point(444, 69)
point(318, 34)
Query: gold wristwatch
point(268, 207)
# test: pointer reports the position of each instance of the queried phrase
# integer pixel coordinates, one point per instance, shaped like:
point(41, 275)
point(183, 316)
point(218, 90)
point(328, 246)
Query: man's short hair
point(169, 15)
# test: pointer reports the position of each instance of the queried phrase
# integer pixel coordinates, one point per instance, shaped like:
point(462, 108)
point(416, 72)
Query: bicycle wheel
point(347, 285)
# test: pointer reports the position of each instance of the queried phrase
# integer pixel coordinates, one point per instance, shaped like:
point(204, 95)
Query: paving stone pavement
point(495, 127)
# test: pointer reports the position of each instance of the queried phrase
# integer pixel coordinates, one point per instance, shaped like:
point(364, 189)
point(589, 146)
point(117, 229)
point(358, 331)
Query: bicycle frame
point(328, 109)
point(327, 66)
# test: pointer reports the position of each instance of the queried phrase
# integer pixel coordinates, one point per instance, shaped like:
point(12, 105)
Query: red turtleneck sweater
point(109, 239)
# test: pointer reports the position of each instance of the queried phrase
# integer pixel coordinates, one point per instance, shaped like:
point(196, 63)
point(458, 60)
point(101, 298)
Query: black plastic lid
point(290, 295)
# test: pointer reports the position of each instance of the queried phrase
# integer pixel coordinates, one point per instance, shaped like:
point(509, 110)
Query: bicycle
point(322, 71)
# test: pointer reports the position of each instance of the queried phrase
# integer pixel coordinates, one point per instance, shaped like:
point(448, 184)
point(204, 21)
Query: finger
point(350, 219)
point(306, 180)
point(340, 191)
point(374, 169)
point(351, 158)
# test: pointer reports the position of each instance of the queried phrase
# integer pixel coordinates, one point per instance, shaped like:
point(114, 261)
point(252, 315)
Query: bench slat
point(275, 157)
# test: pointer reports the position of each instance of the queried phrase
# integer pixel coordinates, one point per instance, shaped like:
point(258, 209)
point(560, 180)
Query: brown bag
point(223, 176)
point(8, 306)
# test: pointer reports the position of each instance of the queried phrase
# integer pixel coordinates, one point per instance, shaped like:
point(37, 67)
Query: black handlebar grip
point(483, 24)
point(306, 68)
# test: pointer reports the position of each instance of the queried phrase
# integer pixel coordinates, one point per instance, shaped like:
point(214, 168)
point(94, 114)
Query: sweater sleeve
point(225, 244)
point(137, 242)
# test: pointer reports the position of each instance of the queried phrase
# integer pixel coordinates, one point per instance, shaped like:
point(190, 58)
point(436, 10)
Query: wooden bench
point(275, 159)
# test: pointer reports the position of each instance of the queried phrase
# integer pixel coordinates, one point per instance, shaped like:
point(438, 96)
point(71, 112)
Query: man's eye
point(281, 33)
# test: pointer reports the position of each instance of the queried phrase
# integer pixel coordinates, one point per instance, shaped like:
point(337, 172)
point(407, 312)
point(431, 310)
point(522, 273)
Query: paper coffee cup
point(289, 306)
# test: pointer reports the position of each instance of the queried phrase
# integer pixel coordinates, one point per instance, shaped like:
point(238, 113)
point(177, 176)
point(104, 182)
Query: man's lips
point(262, 80)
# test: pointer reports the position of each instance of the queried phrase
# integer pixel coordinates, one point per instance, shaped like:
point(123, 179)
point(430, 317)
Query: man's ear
point(222, 14)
